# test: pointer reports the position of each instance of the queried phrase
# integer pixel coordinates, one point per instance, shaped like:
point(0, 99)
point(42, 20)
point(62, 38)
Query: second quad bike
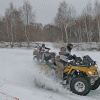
point(81, 74)
point(43, 56)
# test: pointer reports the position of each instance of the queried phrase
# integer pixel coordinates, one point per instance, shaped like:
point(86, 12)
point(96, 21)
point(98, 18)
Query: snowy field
point(18, 73)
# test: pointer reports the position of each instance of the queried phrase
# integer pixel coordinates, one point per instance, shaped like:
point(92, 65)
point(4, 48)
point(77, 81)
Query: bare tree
point(63, 19)
point(10, 17)
point(28, 17)
point(87, 16)
point(97, 15)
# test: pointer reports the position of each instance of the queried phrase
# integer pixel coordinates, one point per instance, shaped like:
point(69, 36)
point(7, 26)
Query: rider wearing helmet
point(42, 49)
point(64, 56)
point(65, 53)
point(69, 48)
point(38, 46)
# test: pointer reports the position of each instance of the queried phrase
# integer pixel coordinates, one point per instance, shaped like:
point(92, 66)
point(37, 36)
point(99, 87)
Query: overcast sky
point(45, 9)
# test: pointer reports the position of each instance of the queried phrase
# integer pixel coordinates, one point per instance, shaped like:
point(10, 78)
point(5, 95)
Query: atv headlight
point(90, 72)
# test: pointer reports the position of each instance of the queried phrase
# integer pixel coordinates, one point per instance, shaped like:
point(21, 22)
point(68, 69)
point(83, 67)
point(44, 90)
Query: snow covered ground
point(18, 73)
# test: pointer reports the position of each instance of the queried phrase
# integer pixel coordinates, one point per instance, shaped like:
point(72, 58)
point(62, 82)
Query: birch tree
point(97, 15)
point(10, 17)
point(63, 19)
point(87, 16)
point(28, 17)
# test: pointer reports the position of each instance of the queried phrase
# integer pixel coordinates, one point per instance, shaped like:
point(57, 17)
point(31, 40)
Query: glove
point(74, 56)
point(70, 57)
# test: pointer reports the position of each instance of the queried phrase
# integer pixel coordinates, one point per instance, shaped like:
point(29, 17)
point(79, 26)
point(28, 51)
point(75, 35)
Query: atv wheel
point(53, 59)
point(80, 86)
point(35, 59)
point(96, 84)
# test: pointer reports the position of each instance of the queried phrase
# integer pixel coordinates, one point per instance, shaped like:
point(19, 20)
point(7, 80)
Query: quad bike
point(44, 56)
point(36, 55)
point(81, 74)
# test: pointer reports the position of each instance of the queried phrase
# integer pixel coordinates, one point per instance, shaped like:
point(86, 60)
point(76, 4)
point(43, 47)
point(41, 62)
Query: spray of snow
point(21, 70)
point(46, 80)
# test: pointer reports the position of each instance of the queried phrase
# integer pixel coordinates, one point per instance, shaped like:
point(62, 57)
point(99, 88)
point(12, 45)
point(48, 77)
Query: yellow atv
point(81, 74)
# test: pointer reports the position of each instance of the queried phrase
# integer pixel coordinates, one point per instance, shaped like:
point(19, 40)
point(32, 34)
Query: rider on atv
point(62, 59)
point(38, 47)
point(42, 50)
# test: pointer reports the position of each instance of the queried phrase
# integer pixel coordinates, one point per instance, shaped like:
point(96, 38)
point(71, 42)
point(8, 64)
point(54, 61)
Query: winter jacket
point(43, 48)
point(65, 54)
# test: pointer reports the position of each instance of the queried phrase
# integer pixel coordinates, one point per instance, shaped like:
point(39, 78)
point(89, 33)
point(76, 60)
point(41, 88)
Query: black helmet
point(43, 45)
point(70, 46)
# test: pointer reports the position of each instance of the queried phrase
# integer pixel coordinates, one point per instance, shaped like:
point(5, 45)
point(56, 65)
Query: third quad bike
point(44, 56)
point(81, 74)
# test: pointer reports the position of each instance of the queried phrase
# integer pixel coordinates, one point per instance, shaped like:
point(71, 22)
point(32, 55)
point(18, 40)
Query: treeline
point(19, 25)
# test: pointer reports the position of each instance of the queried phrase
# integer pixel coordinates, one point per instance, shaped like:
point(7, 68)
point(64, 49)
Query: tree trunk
point(99, 29)
point(86, 31)
point(11, 34)
point(66, 34)
point(27, 36)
